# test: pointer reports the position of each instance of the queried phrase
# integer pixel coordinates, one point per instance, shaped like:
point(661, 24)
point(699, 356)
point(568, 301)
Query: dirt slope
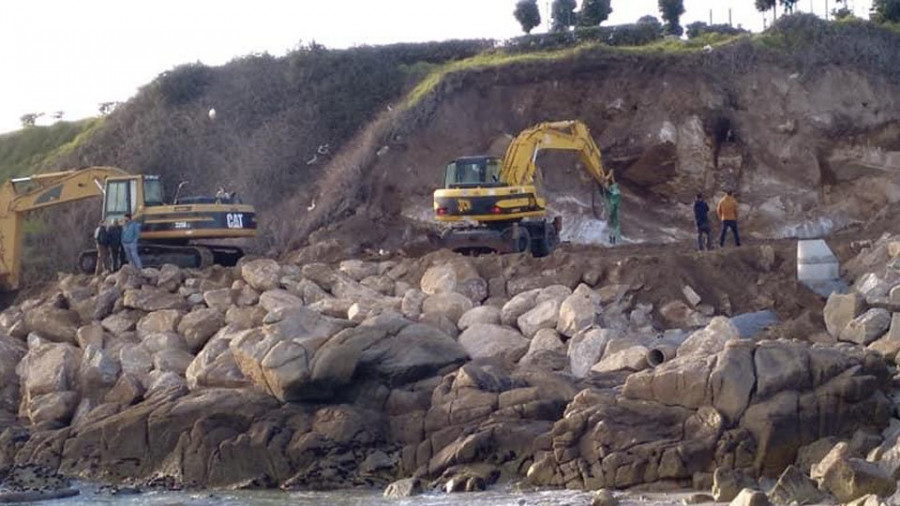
point(810, 147)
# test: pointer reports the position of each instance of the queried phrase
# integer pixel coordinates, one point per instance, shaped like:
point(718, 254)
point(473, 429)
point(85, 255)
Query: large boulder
point(397, 352)
point(52, 407)
point(449, 304)
point(750, 497)
point(55, 324)
point(867, 327)
point(479, 314)
point(153, 299)
point(711, 339)
point(411, 305)
point(781, 365)
point(279, 300)
point(172, 360)
point(848, 478)
point(489, 340)
point(99, 369)
point(728, 483)
point(840, 310)
point(407, 487)
point(170, 277)
point(121, 322)
point(683, 381)
point(586, 349)
point(199, 325)
point(302, 323)
point(633, 358)
point(578, 311)
point(220, 298)
point(163, 341)
point(278, 366)
point(279, 356)
point(543, 316)
point(358, 270)
point(215, 367)
point(136, 361)
point(245, 317)
point(262, 274)
point(794, 487)
point(458, 275)
point(517, 306)
point(733, 379)
point(165, 320)
point(49, 367)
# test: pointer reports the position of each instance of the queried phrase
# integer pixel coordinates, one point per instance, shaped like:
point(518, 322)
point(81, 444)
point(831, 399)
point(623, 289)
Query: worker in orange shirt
point(727, 210)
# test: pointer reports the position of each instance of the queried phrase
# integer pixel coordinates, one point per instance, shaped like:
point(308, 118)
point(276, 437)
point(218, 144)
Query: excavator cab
point(473, 172)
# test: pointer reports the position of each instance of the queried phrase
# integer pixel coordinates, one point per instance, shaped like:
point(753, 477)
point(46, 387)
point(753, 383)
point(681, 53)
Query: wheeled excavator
point(167, 230)
point(495, 200)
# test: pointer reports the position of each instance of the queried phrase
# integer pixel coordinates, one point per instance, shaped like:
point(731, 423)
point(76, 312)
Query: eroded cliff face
point(808, 150)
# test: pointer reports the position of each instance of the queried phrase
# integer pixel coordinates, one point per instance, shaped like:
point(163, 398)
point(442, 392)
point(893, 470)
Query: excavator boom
point(507, 211)
point(19, 196)
point(519, 162)
point(167, 228)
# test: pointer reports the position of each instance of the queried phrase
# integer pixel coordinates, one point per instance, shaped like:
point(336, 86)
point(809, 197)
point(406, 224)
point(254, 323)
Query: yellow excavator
point(496, 202)
point(166, 229)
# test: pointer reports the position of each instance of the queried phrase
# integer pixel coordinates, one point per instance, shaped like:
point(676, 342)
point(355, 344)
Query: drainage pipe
point(666, 347)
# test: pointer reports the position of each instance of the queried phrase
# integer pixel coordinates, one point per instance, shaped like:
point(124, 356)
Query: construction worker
point(101, 240)
point(612, 221)
point(701, 216)
point(131, 233)
point(114, 234)
point(727, 210)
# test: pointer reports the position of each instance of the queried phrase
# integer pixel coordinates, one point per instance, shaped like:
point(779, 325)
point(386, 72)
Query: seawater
point(90, 495)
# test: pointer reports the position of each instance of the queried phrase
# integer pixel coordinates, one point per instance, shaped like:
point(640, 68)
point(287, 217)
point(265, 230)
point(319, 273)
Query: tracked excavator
point(168, 231)
point(494, 202)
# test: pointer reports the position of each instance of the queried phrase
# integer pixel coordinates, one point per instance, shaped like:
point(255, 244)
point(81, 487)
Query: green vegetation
point(28, 150)
point(886, 11)
point(562, 14)
point(594, 12)
point(698, 28)
point(527, 14)
point(671, 11)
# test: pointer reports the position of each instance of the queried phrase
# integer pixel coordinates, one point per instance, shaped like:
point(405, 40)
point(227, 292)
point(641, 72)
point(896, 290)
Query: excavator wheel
point(544, 239)
point(87, 262)
point(522, 244)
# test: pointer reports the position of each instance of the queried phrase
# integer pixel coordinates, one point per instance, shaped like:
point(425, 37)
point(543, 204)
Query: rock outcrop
point(327, 376)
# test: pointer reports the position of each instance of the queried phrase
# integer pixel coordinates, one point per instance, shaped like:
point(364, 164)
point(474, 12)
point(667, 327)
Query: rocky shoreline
point(447, 372)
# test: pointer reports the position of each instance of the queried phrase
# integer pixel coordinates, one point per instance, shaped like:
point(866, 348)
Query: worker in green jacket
point(612, 221)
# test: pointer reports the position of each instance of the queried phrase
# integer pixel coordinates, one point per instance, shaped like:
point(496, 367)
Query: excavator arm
point(21, 196)
point(519, 163)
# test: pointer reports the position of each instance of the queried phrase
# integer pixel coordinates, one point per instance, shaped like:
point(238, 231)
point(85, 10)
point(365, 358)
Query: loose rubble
point(443, 373)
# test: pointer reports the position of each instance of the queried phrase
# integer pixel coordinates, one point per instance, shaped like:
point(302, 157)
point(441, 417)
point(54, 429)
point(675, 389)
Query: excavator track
point(196, 256)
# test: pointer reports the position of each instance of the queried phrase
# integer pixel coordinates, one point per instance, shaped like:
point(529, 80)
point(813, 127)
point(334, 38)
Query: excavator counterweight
point(168, 230)
point(494, 201)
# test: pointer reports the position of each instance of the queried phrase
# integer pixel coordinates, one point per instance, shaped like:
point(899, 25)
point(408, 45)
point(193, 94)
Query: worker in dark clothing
point(701, 216)
point(114, 236)
point(101, 240)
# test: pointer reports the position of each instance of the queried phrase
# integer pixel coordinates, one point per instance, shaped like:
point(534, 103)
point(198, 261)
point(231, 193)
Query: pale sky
point(65, 55)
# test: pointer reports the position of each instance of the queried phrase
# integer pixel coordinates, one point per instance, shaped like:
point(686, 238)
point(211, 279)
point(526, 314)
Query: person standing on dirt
point(701, 216)
point(727, 210)
point(131, 233)
point(114, 235)
point(101, 240)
